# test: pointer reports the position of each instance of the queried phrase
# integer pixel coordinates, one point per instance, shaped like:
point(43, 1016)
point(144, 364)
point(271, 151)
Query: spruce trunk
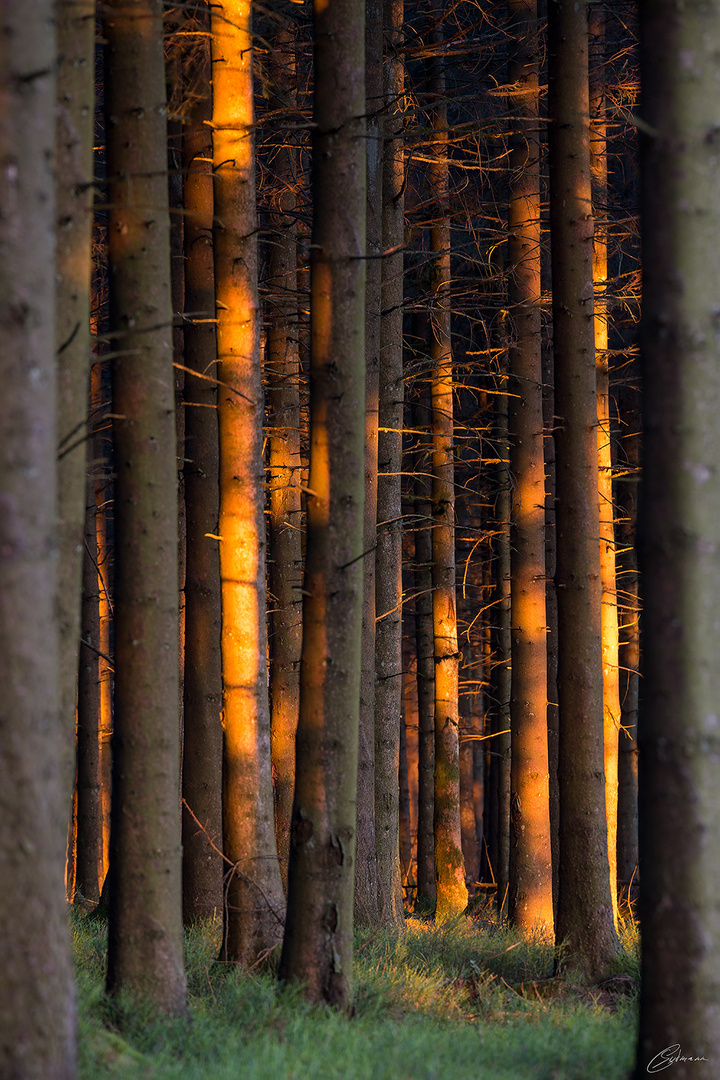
point(679, 728)
point(255, 902)
point(317, 948)
point(585, 923)
point(145, 932)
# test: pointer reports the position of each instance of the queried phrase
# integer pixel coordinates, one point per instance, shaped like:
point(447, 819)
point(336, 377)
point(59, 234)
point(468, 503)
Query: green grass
point(471, 1000)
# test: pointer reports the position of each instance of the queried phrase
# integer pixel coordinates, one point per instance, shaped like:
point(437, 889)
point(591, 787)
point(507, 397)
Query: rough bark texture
point(37, 1006)
point(366, 868)
point(680, 542)
point(425, 652)
point(388, 561)
point(499, 788)
point(629, 659)
point(282, 373)
point(255, 902)
point(145, 931)
point(75, 20)
point(451, 891)
point(317, 948)
point(611, 670)
point(585, 913)
point(202, 685)
point(89, 836)
point(530, 894)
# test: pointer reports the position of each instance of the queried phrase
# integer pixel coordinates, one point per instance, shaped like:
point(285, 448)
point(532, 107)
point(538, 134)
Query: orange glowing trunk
point(451, 890)
point(255, 903)
point(530, 894)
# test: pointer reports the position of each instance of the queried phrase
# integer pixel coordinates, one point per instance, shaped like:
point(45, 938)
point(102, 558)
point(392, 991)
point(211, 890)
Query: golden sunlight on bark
point(609, 615)
point(253, 916)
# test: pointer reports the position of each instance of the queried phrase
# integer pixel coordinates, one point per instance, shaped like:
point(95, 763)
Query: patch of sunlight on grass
point(466, 1000)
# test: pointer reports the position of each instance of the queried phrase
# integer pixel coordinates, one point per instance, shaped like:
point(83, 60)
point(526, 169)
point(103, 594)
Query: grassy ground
point(466, 1001)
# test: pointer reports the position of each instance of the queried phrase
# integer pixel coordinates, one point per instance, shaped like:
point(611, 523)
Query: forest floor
point(452, 1002)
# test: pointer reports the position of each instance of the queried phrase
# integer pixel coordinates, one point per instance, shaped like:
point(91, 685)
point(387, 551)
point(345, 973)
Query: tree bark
point(37, 1001)
point(530, 893)
point(425, 652)
point(680, 540)
point(366, 855)
point(585, 913)
point(255, 902)
point(451, 891)
point(388, 562)
point(145, 930)
point(74, 174)
point(609, 618)
point(202, 684)
point(285, 477)
point(317, 948)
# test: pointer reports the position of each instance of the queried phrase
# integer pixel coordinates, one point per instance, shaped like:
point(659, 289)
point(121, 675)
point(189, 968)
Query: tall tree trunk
point(366, 860)
point(255, 902)
point(37, 1006)
point(611, 670)
point(451, 891)
point(317, 948)
point(680, 539)
point(388, 563)
point(74, 173)
point(530, 895)
point(89, 839)
point(202, 684)
point(425, 652)
point(145, 931)
point(499, 788)
point(585, 912)
point(282, 370)
point(629, 657)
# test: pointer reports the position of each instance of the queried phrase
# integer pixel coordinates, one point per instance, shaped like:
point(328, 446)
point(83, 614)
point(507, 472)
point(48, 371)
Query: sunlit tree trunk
point(585, 911)
point(388, 563)
point(317, 948)
point(497, 839)
point(629, 661)
point(145, 931)
point(679, 726)
point(530, 897)
point(202, 685)
point(451, 891)
point(89, 840)
point(37, 1006)
point(255, 902)
point(366, 858)
point(611, 670)
point(282, 372)
point(425, 652)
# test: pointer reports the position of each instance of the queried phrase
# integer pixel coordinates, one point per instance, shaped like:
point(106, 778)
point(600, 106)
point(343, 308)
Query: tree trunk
point(451, 891)
point(145, 931)
point(282, 369)
point(585, 911)
point(74, 173)
point(255, 902)
point(89, 839)
point(202, 685)
point(388, 562)
point(425, 652)
point(37, 1001)
point(366, 859)
point(680, 539)
point(530, 894)
point(317, 949)
point(611, 670)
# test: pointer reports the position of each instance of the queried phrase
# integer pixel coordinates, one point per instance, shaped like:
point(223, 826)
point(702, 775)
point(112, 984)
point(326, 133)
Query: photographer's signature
point(670, 1056)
